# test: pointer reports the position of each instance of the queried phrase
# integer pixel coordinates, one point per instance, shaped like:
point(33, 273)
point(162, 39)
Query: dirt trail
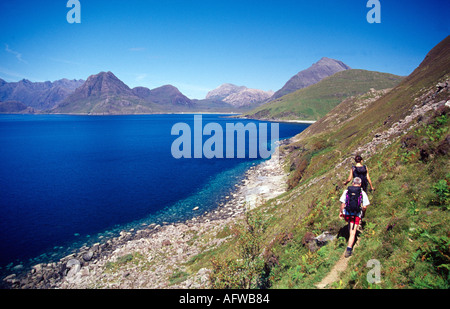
point(334, 274)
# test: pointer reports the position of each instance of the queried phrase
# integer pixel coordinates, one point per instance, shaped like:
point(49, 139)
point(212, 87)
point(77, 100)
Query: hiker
point(354, 202)
point(361, 171)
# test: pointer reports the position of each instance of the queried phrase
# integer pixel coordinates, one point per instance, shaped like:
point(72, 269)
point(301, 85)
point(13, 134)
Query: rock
point(314, 243)
point(72, 262)
point(204, 274)
point(84, 271)
point(324, 238)
point(18, 267)
point(36, 268)
point(441, 86)
point(95, 247)
point(88, 255)
point(74, 267)
point(10, 278)
point(308, 238)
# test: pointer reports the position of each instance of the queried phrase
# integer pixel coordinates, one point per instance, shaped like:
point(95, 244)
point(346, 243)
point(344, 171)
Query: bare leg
point(351, 238)
point(352, 233)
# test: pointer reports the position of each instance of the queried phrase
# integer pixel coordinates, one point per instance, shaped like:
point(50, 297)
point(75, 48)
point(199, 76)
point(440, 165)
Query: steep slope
point(403, 136)
point(323, 68)
point(317, 100)
point(38, 95)
point(15, 107)
point(102, 93)
point(167, 95)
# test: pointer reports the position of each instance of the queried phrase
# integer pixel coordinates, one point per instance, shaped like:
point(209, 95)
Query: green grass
point(133, 258)
point(316, 101)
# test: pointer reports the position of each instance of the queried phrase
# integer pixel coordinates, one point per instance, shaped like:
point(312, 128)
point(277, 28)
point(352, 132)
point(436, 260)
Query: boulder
point(324, 238)
point(88, 255)
point(314, 243)
point(74, 267)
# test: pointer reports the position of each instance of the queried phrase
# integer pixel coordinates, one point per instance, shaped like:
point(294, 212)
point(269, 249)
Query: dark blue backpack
point(353, 200)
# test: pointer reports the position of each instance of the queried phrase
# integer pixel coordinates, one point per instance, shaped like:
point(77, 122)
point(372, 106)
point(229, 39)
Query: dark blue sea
point(70, 180)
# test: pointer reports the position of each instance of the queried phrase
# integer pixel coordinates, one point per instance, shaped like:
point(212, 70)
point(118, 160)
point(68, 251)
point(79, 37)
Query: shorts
point(352, 219)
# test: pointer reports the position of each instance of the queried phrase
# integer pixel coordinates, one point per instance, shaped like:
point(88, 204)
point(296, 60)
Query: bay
point(66, 180)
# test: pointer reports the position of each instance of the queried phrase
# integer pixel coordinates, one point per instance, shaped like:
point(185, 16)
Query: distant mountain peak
point(238, 96)
point(325, 61)
point(102, 84)
point(223, 91)
point(315, 73)
point(166, 94)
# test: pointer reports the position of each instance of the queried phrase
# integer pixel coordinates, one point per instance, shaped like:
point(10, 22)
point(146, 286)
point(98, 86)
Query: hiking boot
point(348, 252)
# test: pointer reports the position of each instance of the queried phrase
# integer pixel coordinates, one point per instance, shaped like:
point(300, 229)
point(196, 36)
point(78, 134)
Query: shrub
point(441, 190)
point(250, 269)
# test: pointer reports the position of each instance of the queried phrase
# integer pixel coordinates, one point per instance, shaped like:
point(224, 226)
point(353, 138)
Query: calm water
point(67, 180)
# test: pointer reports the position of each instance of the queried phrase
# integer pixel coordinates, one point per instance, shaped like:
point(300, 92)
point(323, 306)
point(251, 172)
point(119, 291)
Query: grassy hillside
point(316, 101)
point(403, 135)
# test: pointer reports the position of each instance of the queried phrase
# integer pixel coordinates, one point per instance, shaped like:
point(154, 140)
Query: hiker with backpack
point(354, 202)
point(361, 171)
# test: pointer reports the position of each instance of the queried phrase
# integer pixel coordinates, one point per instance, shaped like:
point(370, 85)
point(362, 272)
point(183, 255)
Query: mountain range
point(37, 95)
point(104, 94)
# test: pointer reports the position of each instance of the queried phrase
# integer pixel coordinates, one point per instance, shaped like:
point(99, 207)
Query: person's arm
point(370, 181)
point(342, 200)
point(350, 176)
point(365, 203)
point(341, 211)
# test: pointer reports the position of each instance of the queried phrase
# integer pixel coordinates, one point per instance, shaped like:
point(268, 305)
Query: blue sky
point(198, 45)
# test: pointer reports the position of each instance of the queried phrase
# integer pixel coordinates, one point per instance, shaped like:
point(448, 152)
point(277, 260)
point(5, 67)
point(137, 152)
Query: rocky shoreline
point(154, 257)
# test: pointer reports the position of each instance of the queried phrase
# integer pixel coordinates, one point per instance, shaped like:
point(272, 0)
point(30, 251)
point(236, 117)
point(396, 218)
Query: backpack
point(353, 200)
point(361, 172)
